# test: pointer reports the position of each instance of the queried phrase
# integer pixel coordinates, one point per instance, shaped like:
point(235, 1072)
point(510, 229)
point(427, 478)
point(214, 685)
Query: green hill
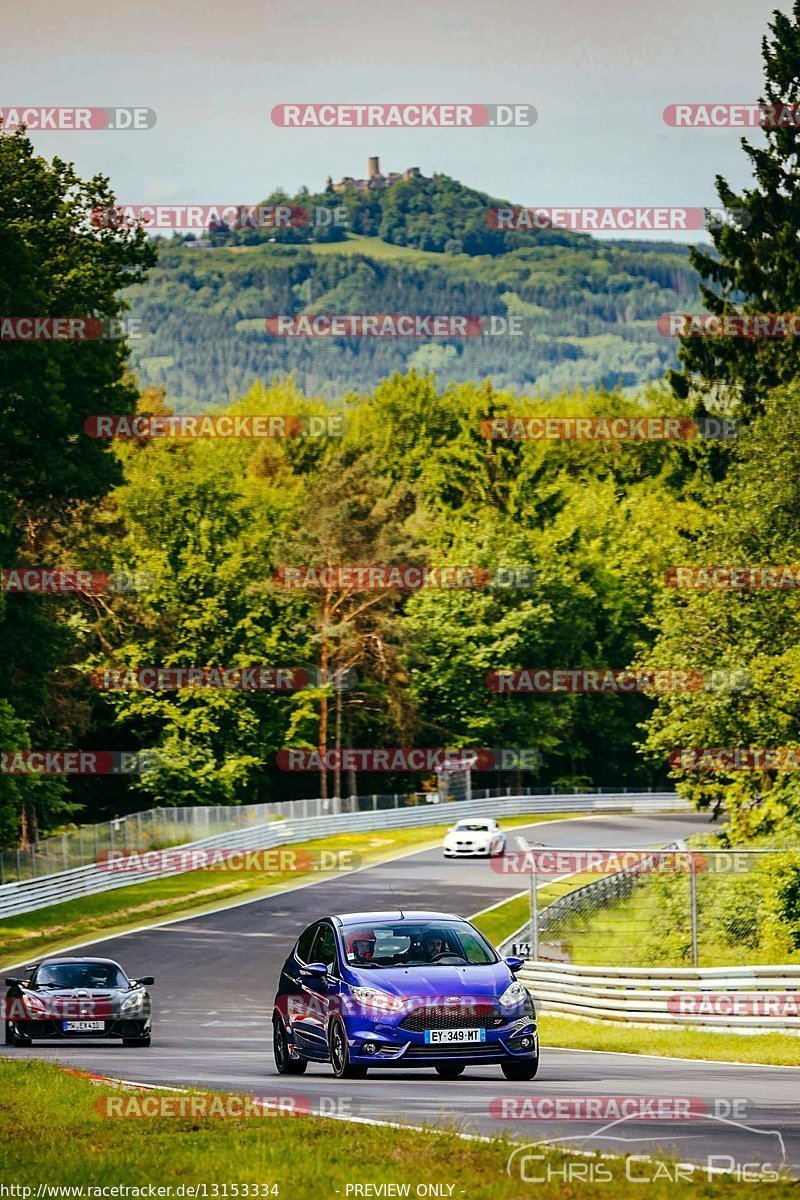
point(422, 245)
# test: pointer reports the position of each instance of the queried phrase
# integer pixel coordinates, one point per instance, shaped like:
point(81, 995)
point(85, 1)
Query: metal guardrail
point(641, 995)
point(157, 828)
point(30, 894)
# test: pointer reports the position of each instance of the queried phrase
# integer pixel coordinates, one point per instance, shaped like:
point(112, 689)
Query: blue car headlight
point(376, 1003)
point(513, 996)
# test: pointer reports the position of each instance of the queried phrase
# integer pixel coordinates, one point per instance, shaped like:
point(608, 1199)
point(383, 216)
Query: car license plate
point(83, 1026)
point(434, 1037)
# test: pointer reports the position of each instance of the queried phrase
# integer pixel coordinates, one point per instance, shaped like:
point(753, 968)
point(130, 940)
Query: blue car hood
point(489, 980)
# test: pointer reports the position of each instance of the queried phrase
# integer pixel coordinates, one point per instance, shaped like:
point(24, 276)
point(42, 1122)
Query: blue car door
point(316, 995)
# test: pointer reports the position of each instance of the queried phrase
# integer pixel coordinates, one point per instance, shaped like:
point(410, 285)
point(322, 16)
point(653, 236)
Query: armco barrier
point(157, 828)
point(639, 995)
point(43, 891)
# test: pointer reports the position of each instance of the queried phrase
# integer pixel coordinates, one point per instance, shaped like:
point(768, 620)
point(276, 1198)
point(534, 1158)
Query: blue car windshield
point(414, 944)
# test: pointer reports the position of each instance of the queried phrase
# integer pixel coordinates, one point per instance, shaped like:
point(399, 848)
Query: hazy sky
point(599, 74)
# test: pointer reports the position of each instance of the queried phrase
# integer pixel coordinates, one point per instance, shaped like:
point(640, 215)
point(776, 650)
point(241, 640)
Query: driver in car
point(433, 944)
point(363, 948)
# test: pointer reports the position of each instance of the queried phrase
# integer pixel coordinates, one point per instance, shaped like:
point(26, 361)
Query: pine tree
point(756, 266)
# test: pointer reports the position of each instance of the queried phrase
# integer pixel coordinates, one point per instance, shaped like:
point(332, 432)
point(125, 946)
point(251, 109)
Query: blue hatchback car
point(401, 989)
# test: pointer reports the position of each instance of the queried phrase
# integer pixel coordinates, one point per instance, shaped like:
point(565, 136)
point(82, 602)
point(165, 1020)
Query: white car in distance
point(473, 837)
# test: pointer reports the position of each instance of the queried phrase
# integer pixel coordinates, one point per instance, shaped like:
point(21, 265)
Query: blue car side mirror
point(515, 964)
point(315, 970)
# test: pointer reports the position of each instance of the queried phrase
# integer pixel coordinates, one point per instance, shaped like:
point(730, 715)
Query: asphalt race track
point(216, 976)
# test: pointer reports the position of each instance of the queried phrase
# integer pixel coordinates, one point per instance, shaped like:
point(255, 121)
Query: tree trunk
point(337, 770)
point(352, 785)
point(323, 708)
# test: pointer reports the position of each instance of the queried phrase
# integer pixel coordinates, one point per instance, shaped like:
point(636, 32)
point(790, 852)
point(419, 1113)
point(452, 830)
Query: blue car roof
point(395, 915)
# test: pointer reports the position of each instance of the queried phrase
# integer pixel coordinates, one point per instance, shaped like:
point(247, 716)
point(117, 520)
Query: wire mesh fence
point(702, 907)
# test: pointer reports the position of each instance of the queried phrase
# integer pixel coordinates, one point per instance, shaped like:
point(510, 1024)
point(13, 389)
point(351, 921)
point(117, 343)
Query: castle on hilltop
point(374, 178)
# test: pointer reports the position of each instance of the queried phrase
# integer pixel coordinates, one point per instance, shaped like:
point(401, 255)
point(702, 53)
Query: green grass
point(767, 1049)
point(53, 1133)
point(499, 923)
point(59, 925)
point(644, 931)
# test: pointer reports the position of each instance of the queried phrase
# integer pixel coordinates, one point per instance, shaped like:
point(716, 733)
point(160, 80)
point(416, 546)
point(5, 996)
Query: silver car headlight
point(132, 1003)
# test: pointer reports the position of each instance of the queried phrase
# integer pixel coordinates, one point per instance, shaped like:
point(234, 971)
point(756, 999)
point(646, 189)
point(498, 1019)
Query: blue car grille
point(467, 1050)
point(481, 1016)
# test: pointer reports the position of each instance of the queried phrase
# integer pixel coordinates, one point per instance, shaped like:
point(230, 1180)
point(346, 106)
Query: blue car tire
point(284, 1063)
point(340, 1054)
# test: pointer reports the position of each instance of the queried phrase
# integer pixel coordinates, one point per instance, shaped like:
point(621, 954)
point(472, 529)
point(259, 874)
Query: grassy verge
point(53, 1134)
point(652, 927)
point(766, 1049)
point(60, 925)
point(500, 922)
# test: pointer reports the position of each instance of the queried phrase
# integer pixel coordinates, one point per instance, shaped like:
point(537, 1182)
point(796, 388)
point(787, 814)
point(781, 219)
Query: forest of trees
point(590, 308)
point(412, 480)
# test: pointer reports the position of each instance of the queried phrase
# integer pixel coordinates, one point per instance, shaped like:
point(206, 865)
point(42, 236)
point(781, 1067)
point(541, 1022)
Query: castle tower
point(374, 168)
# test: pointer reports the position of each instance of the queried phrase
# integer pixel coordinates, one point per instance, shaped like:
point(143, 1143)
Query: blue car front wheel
point(339, 1053)
point(450, 1070)
point(521, 1071)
